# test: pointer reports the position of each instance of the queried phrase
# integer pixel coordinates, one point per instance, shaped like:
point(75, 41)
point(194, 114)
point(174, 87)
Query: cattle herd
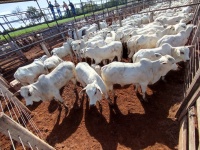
point(155, 42)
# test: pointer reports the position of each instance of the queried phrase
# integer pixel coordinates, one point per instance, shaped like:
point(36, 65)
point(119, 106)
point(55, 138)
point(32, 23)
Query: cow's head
point(182, 53)
point(30, 94)
point(76, 46)
point(94, 93)
point(167, 63)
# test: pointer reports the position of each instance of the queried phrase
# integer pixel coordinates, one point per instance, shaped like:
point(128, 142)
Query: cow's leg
point(144, 87)
point(74, 82)
point(119, 58)
point(136, 87)
point(59, 98)
point(163, 78)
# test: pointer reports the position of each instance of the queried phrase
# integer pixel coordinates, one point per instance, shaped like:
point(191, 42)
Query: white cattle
point(146, 41)
point(185, 18)
point(92, 83)
point(80, 44)
point(77, 46)
point(178, 53)
point(29, 74)
point(97, 68)
point(179, 39)
point(110, 37)
point(64, 50)
point(47, 86)
point(141, 73)
point(103, 24)
point(187, 9)
point(52, 62)
point(98, 43)
point(106, 52)
point(43, 58)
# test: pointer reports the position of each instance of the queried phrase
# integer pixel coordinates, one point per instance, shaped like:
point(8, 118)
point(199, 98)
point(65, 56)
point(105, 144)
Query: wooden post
point(5, 90)
point(77, 33)
point(182, 145)
point(98, 24)
point(44, 46)
point(151, 17)
point(198, 116)
point(191, 123)
point(16, 131)
point(45, 49)
point(120, 21)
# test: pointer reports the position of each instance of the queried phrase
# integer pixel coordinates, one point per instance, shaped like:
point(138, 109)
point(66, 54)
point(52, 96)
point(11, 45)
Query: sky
point(8, 8)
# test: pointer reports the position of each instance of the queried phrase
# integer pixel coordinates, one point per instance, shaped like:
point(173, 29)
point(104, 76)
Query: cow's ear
point(177, 51)
point(98, 88)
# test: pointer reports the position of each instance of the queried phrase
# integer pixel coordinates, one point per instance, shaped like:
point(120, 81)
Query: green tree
point(34, 15)
point(18, 13)
point(89, 7)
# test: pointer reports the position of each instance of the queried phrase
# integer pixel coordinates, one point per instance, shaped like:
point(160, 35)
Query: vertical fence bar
point(182, 145)
point(198, 116)
point(8, 22)
point(42, 14)
point(191, 121)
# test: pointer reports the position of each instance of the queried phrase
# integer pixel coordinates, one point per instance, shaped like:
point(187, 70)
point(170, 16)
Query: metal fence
point(189, 111)
point(18, 51)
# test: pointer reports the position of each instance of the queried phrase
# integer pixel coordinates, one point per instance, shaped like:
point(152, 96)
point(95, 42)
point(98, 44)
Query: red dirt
point(129, 124)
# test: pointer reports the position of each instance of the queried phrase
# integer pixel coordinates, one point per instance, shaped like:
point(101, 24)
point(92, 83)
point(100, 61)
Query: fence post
point(191, 121)
point(120, 21)
point(77, 33)
point(44, 46)
point(16, 131)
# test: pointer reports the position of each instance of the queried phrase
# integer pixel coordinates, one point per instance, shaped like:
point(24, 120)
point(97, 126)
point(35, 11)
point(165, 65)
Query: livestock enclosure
point(129, 124)
point(18, 51)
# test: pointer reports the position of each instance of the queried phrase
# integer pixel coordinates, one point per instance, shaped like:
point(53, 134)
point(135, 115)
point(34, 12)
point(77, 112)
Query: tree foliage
point(34, 15)
point(18, 12)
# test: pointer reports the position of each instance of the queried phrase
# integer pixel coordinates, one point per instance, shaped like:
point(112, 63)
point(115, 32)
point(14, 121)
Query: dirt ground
point(128, 124)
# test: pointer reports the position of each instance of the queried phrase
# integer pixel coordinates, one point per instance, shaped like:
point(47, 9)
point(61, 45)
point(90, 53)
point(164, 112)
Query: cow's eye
point(29, 94)
point(95, 92)
point(182, 53)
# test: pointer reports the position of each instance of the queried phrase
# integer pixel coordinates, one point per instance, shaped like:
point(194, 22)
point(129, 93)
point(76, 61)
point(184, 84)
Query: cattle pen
point(19, 131)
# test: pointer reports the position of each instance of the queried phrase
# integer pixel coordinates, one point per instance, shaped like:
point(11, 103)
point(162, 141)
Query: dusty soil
point(128, 124)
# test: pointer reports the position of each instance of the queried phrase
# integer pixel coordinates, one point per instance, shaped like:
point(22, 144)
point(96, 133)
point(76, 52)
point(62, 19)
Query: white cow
point(80, 44)
point(146, 41)
point(43, 58)
point(47, 86)
point(106, 52)
point(97, 68)
point(92, 83)
point(176, 40)
point(52, 62)
point(64, 50)
point(141, 73)
point(29, 74)
point(178, 53)
point(174, 19)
